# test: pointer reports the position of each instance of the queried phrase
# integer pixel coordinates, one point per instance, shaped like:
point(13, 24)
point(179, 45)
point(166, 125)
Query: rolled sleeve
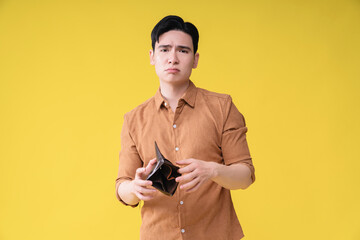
point(234, 145)
point(129, 159)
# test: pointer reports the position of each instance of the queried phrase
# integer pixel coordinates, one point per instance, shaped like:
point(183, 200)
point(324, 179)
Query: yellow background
point(69, 70)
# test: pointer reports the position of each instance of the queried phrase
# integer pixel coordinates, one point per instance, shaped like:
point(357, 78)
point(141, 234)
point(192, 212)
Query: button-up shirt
point(205, 126)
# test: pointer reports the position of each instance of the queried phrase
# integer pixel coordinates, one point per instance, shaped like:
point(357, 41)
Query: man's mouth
point(172, 70)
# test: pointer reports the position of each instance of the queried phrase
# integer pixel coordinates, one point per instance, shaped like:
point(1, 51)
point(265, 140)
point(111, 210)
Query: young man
point(200, 131)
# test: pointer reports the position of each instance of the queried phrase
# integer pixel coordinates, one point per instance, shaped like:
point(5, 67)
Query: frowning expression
point(173, 57)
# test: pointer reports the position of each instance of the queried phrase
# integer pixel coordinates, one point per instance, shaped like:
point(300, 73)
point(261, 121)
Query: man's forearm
point(233, 176)
point(126, 194)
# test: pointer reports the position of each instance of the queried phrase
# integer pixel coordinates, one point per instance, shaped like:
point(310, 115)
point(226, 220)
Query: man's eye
point(184, 51)
point(163, 50)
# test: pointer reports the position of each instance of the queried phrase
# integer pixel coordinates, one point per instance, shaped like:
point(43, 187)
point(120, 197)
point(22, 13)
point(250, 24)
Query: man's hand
point(195, 173)
point(140, 186)
point(138, 189)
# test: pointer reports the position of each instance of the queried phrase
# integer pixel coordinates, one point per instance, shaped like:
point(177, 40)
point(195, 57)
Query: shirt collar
point(189, 96)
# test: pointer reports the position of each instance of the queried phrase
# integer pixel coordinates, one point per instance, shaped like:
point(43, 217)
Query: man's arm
point(196, 172)
point(132, 191)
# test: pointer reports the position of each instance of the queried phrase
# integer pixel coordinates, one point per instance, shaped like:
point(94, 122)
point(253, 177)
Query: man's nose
point(173, 58)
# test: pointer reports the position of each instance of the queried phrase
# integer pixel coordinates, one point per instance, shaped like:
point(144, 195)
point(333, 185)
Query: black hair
point(172, 22)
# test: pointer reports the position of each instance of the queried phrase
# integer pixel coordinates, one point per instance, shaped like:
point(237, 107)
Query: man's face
point(174, 57)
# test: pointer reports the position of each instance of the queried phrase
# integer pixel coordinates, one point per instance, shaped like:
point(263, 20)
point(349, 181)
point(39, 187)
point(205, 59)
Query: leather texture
point(163, 175)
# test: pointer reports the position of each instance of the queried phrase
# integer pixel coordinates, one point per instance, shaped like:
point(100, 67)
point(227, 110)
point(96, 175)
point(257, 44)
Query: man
point(200, 131)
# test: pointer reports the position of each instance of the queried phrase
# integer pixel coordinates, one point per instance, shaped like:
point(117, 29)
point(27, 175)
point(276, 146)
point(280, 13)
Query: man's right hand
point(138, 189)
point(141, 187)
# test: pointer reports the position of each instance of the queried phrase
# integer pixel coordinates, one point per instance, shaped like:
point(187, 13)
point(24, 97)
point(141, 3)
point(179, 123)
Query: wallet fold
point(163, 175)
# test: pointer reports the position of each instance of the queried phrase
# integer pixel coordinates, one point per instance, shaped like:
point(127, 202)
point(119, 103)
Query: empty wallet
point(163, 175)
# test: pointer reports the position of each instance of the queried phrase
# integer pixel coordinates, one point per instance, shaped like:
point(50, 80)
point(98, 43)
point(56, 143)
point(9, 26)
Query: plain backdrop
point(70, 69)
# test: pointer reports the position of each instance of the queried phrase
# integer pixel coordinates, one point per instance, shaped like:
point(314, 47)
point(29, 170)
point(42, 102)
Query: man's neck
point(173, 92)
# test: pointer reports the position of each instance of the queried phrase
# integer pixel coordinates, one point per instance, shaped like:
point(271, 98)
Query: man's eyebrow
point(179, 46)
point(164, 46)
point(184, 47)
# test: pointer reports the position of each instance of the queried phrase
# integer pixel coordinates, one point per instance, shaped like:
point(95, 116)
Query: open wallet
point(163, 175)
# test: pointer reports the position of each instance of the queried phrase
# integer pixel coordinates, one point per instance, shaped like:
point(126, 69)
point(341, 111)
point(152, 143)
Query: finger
point(151, 162)
point(190, 184)
point(150, 166)
point(185, 178)
point(139, 173)
point(142, 183)
point(187, 169)
point(145, 191)
point(143, 197)
point(184, 161)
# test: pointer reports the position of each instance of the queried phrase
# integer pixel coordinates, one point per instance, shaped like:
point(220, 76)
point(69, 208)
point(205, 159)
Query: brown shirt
point(205, 126)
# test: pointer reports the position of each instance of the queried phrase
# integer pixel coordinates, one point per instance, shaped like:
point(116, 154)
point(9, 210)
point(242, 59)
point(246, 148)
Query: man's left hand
point(194, 173)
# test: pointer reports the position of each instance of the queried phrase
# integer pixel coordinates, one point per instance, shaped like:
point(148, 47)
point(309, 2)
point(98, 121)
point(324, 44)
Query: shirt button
point(174, 126)
point(176, 149)
point(181, 202)
point(182, 230)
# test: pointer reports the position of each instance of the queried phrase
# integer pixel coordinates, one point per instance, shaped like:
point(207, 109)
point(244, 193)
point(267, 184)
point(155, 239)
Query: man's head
point(174, 50)
point(171, 22)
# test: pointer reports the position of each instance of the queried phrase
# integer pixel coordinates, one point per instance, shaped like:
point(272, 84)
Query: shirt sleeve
point(129, 159)
point(233, 144)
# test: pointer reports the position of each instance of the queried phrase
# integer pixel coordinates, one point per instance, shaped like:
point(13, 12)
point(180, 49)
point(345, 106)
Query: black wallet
point(163, 175)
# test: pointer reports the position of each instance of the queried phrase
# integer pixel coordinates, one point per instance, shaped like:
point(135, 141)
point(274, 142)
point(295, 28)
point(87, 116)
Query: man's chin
point(175, 81)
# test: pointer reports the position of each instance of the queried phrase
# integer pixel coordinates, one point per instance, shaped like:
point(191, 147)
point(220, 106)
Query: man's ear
point(196, 60)
point(151, 53)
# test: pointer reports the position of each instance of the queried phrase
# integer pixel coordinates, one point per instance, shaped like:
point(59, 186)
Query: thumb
point(139, 173)
point(150, 166)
